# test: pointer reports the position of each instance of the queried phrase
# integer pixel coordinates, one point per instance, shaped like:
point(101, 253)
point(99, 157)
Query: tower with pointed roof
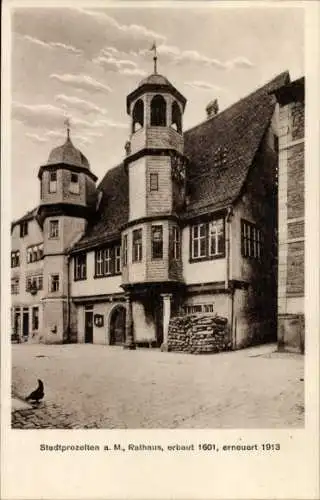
point(155, 166)
point(67, 200)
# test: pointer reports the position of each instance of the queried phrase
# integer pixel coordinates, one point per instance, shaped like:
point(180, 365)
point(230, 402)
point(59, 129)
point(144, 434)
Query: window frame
point(35, 318)
point(52, 235)
point(176, 243)
point(80, 267)
point(52, 182)
point(15, 258)
point(52, 281)
point(200, 244)
point(74, 187)
point(15, 286)
point(251, 240)
point(154, 181)
point(105, 261)
point(117, 259)
point(156, 253)
point(125, 250)
point(137, 250)
point(23, 229)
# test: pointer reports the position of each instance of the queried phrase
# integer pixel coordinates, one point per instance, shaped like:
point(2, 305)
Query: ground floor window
point(198, 308)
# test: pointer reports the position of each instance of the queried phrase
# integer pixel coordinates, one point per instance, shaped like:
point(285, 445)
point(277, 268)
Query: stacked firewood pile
point(198, 334)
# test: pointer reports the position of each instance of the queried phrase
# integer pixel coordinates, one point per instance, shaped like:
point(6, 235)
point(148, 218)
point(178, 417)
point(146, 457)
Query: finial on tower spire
point(155, 57)
point(67, 124)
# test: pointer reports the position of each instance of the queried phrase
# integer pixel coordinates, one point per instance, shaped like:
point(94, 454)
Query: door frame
point(88, 339)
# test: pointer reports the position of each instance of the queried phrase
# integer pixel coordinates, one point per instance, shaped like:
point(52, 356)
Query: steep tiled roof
point(113, 210)
point(234, 135)
point(216, 176)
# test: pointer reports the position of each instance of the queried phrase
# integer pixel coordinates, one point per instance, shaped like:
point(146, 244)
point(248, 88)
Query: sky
point(82, 62)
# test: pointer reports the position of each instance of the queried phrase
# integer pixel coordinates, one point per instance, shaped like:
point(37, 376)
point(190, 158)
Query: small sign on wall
point(98, 320)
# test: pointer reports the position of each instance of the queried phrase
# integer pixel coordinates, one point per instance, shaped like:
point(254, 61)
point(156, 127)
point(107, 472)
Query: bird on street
point(38, 394)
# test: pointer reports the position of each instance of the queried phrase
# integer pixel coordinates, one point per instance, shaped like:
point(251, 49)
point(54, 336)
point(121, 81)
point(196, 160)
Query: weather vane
point(154, 48)
point(67, 124)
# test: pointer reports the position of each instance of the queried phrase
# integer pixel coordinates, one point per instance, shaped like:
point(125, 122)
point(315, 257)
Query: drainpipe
point(228, 267)
point(68, 298)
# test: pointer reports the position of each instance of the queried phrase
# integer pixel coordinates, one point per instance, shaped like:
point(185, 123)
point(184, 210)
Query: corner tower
point(67, 199)
point(155, 165)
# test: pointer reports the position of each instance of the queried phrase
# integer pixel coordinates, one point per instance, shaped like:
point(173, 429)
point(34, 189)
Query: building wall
point(291, 209)
point(200, 272)
point(25, 300)
point(92, 285)
point(137, 189)
point(101, 335)
point(159, 202)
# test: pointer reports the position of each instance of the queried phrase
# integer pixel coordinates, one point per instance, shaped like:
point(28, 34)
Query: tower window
point(74, 184)
point(137, 245)
point(54, 229)
point(176, 117)
point(54, 283)
point(154, 182)
point(137, 116)
point(175, 243)
point(53, 182)
point(158, 111)
point(125, 250)
point(157, 242)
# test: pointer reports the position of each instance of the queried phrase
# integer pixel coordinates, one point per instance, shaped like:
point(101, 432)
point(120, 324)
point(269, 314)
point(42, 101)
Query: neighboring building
point(184, 224)
point(291, 216)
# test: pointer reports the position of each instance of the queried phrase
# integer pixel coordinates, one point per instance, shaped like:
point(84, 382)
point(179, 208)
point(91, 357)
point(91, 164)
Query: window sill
point(80, 279)
point(99, 276)
point(193, 260)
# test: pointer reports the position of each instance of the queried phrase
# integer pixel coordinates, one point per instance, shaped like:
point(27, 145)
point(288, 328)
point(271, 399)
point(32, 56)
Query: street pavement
point(97, 386)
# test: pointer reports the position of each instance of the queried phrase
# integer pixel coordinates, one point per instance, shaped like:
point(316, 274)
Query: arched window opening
point(137, 116)
point(158, 111)
point(176, 122)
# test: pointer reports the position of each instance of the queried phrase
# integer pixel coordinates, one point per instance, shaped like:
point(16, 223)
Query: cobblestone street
point(94, 386)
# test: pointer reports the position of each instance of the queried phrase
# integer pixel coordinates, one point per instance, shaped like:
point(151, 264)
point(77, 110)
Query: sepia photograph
point(157, 262)
point(158, 219)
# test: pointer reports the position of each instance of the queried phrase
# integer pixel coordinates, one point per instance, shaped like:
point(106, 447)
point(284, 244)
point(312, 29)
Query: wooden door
point(88, 338)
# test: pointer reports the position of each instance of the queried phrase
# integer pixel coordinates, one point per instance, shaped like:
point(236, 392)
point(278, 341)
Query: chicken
point(37, 394)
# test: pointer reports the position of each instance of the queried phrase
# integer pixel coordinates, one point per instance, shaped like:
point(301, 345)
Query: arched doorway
point(118, 326)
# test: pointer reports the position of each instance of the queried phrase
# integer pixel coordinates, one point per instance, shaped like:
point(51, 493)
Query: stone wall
point(199, 334)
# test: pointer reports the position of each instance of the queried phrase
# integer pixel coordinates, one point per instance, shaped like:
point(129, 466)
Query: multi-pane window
point(125, 250)
point(208, 239)
point(34, 282)
point(15, 286)
point(52, 182)
point(74, 184)
point(251, 240)
point(137, 245)
point(157, 242)
point(54, 283)
point(154, 181)
point(216, 237)
point(35, 318)
point(117, 259)
point(23, 229)
point(34, 253)
point(199, 241)
point(176, 243)
point(15, 258)
point(54, 229)
point(198, 308)
point(80, 267)
point(108, 261)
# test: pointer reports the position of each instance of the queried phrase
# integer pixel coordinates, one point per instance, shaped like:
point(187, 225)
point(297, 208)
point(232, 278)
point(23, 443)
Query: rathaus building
point(186, 223)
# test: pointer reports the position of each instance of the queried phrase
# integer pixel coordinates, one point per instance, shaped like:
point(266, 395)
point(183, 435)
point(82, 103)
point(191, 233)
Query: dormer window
point(23, 229)
point(158, 111)
point(74, 184)
point(137, 116)
point(176, 123)
point(53, 182)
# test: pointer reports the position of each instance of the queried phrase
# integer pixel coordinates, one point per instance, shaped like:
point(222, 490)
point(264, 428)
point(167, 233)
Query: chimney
point(213, 108)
